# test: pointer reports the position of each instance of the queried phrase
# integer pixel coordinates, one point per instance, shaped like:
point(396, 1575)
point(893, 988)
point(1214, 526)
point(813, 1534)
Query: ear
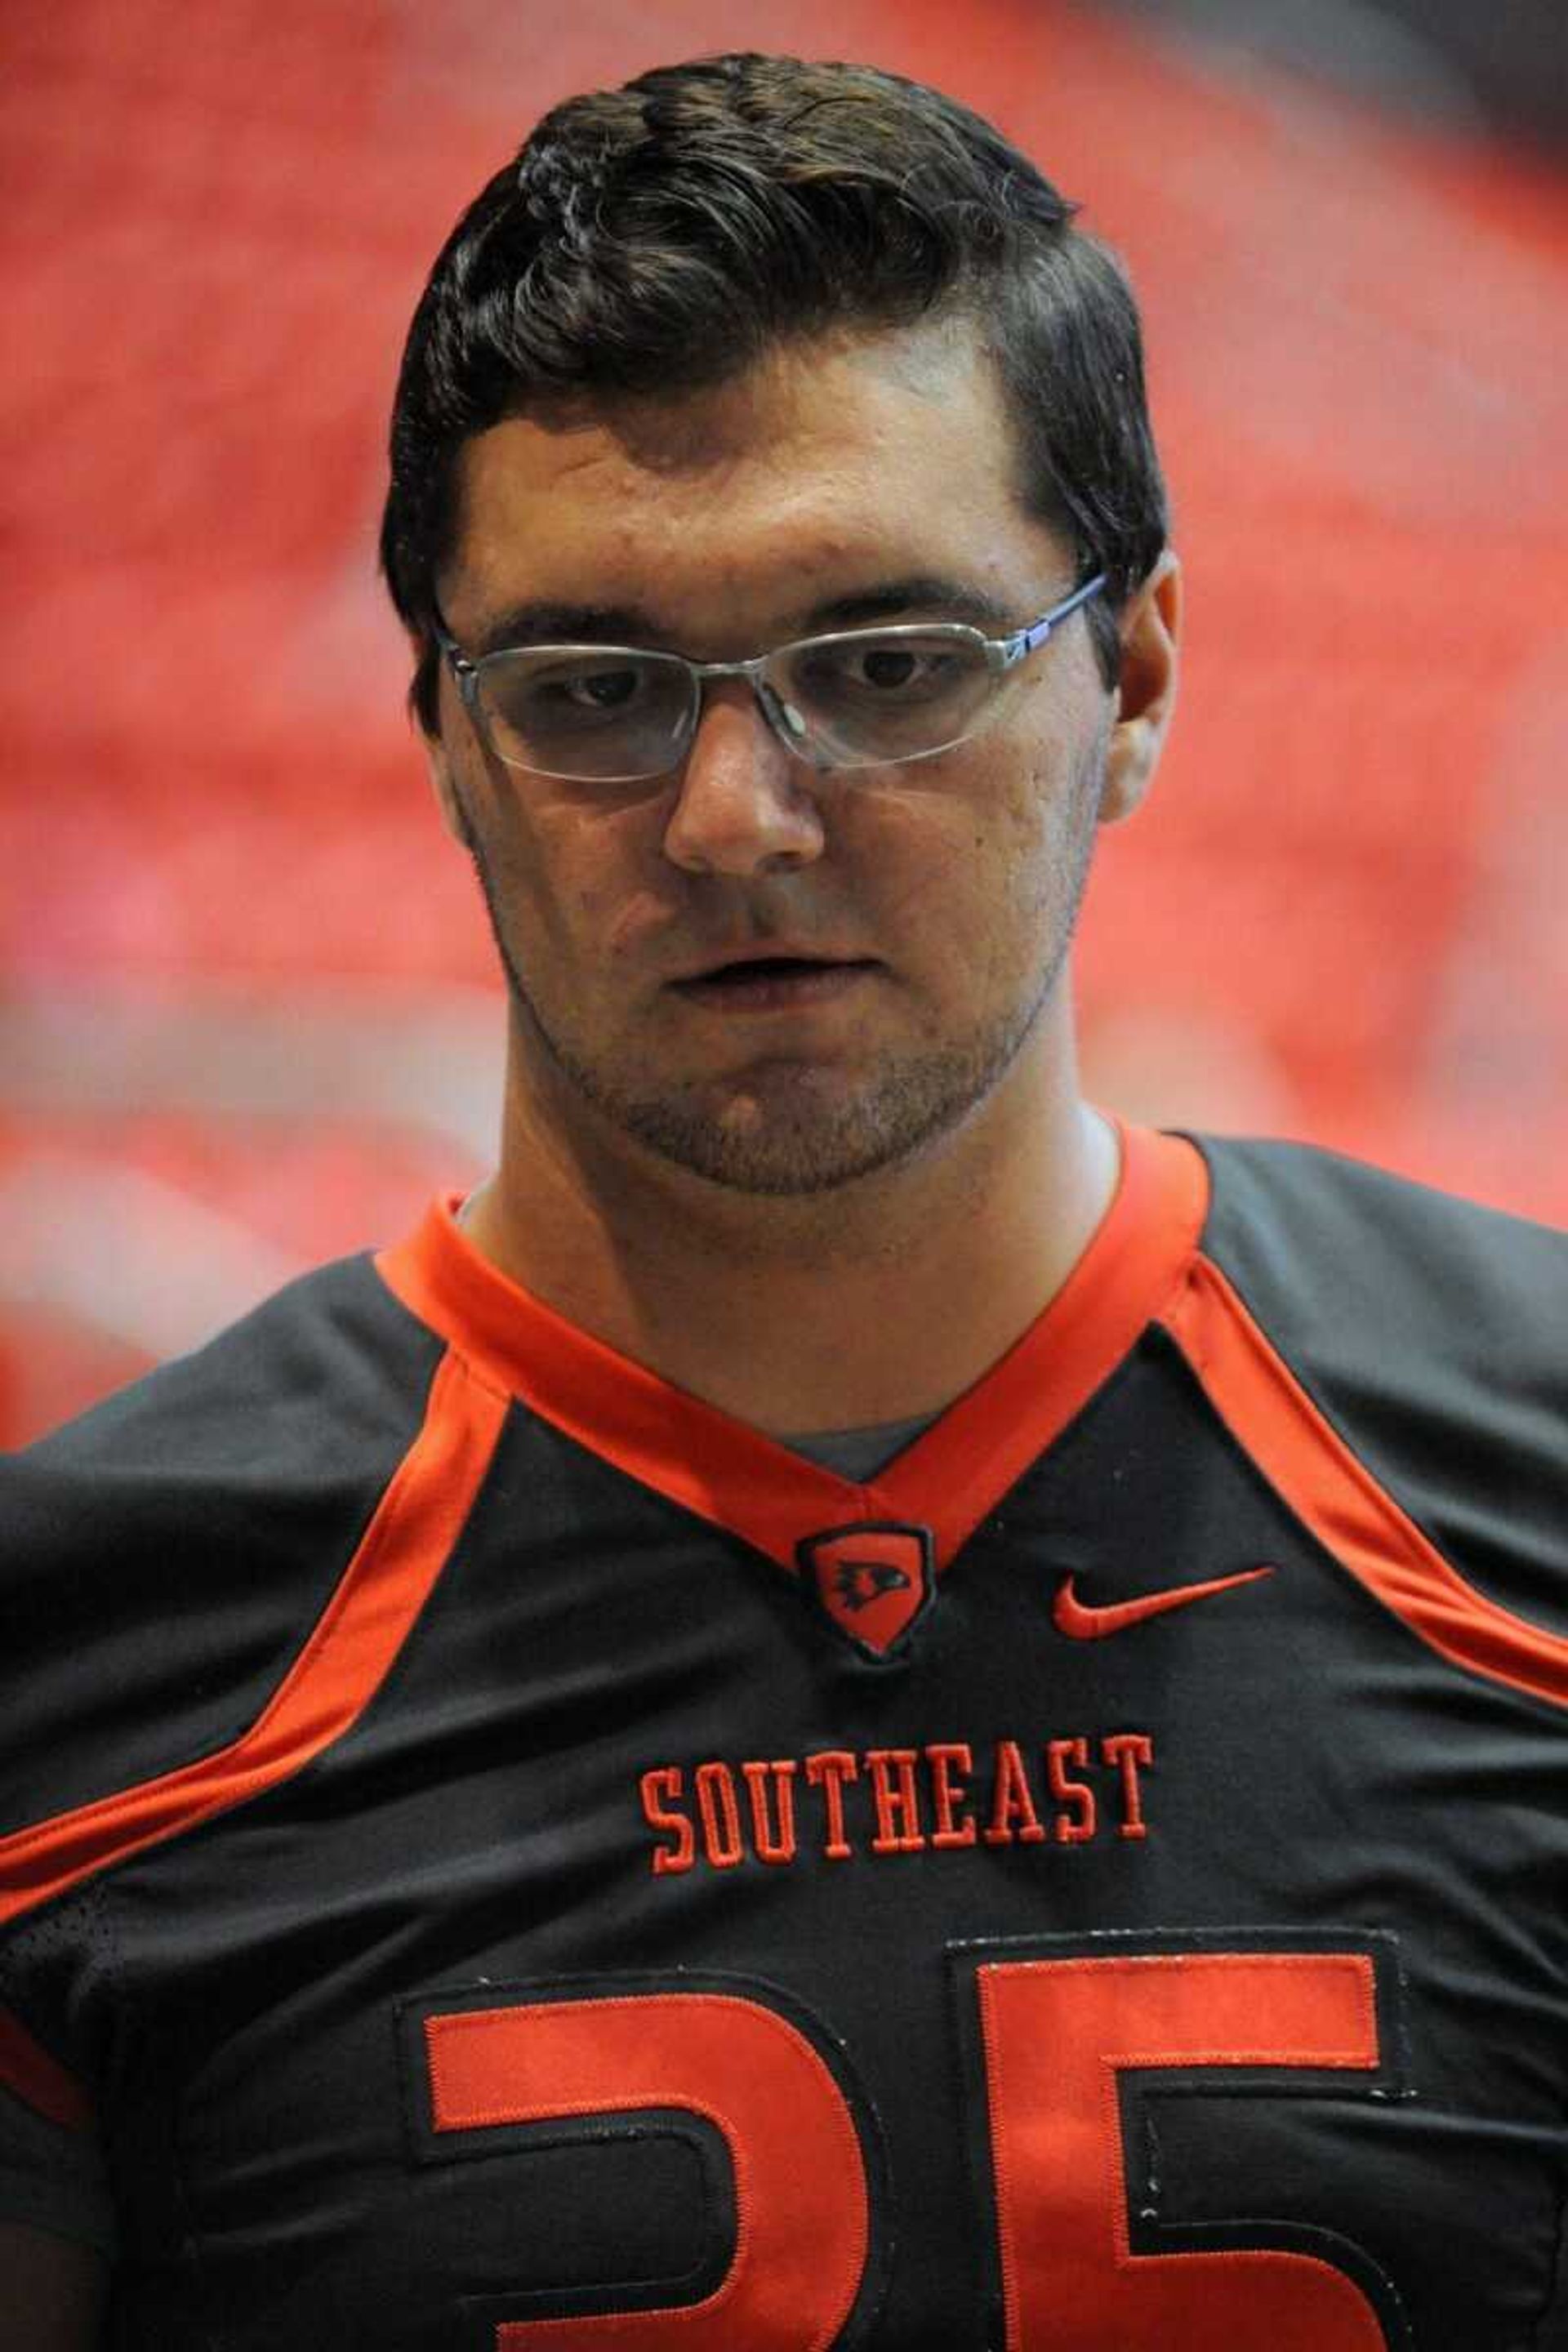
point(1151, 632)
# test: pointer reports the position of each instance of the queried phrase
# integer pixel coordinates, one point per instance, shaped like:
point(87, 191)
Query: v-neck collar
point(739, 1478)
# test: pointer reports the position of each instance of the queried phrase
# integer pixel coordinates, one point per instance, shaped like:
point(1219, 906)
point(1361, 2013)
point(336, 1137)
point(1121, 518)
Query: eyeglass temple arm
point(1027, 640)
point(463, 670)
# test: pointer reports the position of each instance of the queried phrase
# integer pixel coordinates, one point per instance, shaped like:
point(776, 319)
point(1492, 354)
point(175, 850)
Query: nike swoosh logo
point(1081, 1622)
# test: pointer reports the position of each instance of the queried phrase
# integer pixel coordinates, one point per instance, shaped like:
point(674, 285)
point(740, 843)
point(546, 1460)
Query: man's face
point(779, 979)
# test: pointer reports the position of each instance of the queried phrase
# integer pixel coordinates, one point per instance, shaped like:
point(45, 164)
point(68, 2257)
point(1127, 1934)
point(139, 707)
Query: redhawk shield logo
point(872, 1581)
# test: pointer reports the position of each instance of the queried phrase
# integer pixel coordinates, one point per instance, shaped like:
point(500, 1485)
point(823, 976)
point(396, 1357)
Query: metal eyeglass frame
point(1002, 655)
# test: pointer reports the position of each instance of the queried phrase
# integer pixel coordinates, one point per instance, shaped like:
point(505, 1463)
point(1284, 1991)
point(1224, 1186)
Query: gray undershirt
point(859, 1453)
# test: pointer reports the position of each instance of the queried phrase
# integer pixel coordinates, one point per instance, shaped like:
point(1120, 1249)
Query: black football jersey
point(498, 1856)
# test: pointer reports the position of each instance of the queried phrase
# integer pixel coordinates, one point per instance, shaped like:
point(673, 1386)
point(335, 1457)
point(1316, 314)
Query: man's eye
point(591, 690)
point(889, 665)
point(895, 671)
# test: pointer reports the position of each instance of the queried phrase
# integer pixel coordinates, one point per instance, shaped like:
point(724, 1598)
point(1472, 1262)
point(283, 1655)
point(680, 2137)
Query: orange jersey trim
point(1313, 1469)
point(736, 1477)
point(347, 1657)
point(38, 2080)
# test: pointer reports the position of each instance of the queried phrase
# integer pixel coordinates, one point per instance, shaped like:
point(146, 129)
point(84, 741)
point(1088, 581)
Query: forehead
point(824, 467)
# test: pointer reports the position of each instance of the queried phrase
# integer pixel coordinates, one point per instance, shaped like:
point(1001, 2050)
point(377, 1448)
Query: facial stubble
point(799, 1139)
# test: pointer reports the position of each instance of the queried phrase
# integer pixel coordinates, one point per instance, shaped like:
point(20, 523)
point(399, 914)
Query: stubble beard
point(799, 1139)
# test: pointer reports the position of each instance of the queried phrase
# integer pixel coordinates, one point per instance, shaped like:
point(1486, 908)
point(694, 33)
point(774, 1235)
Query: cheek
point(962, 878)
point(1027, 850)
point(577, 883)
point(1012, 834)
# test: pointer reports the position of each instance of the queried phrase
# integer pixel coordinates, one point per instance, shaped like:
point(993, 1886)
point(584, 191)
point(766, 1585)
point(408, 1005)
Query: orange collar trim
point(737, 1478)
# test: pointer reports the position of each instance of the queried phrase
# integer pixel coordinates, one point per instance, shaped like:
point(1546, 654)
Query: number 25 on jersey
point(1057, 2034)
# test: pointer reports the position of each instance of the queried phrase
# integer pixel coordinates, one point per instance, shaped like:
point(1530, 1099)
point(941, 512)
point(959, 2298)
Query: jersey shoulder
point(1429, 1332)
point(164, 1558)
point(1325, 1243)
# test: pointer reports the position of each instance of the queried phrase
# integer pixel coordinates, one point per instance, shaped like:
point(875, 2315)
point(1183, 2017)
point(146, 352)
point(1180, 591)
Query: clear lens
point(599, 713)
point(610, 714)
point(884, 694)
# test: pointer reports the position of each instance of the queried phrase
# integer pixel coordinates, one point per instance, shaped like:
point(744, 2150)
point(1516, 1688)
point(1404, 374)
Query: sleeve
point(52, 2171)
point(164, 1560)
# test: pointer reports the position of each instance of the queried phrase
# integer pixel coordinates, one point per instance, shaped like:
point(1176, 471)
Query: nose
point(744, 805)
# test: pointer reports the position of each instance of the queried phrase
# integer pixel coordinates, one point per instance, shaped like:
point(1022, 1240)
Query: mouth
point(773, 982)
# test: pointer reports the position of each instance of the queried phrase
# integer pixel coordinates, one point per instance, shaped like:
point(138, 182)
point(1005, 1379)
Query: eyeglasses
point(859, 699)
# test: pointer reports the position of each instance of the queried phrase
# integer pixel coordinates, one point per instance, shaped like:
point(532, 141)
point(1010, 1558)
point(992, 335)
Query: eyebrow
point(544, 623)
point(564, 624)
point(956, 600)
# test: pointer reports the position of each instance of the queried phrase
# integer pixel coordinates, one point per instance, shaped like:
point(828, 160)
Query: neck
point(878, 1301)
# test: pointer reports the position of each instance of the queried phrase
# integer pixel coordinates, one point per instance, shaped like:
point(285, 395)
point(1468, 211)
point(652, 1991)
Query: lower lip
point(772, 990)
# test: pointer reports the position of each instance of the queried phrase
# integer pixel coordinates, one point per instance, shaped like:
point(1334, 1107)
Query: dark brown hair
point(658, 239)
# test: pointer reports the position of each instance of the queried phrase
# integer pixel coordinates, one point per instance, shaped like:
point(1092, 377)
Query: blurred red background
point(247, 1016)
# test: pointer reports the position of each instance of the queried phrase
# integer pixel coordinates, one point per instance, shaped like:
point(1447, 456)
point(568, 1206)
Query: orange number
point(800, 2178)
point(1055, 2033)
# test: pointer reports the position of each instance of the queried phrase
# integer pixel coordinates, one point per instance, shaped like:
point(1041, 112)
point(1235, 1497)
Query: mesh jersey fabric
point(495, 1853)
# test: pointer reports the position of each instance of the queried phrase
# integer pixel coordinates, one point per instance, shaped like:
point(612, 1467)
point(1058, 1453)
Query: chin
point(808, 1147)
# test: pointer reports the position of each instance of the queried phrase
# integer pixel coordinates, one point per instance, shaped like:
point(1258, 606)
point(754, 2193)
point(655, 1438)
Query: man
point(854, 1708)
